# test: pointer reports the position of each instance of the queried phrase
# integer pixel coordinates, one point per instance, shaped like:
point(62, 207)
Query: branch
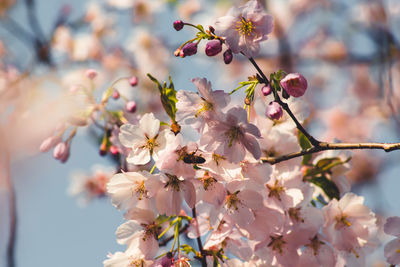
point(285, 106)
point(387, 147)
point(203, 255)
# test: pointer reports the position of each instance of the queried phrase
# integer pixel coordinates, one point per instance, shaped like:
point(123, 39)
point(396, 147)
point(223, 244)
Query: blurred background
point(349, 51)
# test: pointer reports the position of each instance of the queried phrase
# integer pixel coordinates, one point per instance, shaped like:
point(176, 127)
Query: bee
point(192, 158)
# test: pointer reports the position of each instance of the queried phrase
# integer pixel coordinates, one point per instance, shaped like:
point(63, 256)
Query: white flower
point(145, 139)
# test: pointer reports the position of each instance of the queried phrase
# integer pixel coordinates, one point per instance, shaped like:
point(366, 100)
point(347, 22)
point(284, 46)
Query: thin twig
point(166, 240)
point(200, 245)
point(387, 147)
point(285, 106)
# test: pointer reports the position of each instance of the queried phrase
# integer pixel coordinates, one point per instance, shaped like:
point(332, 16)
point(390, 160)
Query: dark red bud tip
point(178, 25)
point(133, 81)
point(130, 106)
point(228, 56)
point(115, 94)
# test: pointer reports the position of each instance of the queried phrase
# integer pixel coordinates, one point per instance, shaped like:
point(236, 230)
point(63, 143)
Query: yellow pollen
point(275, 190)
point(208, 181)
point(151, 231)
point(140, 190)
point(136, 263)
point(216, 158)
point(342, 221)
point(245, 27)
point(232, 201)
point(205, 107)
point(398, 250)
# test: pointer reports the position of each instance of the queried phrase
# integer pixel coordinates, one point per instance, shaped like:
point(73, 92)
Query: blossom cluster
point(206, 173)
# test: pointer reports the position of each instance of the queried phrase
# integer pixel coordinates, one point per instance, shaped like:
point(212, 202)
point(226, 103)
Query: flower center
point(275, 190)
point(151, 143)
point(136, 262)
point(173, 182)
point(207, 180)
point(217, 158)
point(140, 190)
point(277, 243)
point(342, 221)
point(245, 27)
point(206, 106)
point(150, 230)
point(233, 134)
point(232, 201)
point(294, 214)
point(315, 245)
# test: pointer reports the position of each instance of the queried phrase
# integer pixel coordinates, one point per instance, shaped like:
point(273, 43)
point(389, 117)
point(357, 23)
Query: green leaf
point(188, 249)
point(304, 144)
point(327, 186)
point(167, 95)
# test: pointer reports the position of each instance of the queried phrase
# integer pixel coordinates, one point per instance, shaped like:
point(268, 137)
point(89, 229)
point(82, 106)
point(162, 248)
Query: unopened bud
point(211, 28)
point(177, 52)
point(130, 106)
point(189, 50)
point(213, 47)
point(49, 142)
point(175, 128)
point(274, 111)
point(247, 101)
point(61, 151)
point(178, 25)
point(115, 94)
point(228, 56)
point(295, 84)
point(114, 150)
point(91, 73)
point(133, 81)
point(266, 90)
point(103, 149)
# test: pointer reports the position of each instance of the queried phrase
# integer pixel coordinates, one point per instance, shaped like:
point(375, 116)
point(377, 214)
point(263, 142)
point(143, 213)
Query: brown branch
point(285, 106)
point(200, 245)
point(387, 147)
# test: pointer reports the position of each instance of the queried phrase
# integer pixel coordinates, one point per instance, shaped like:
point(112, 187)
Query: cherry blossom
point(245, 27)
point(145, 139)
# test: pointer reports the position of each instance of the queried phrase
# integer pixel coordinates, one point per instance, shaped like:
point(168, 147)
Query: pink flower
point(127, 189)
point(196, 109)
point(232, 136)
point(244, 28)
point(145, 139)
point(140, 233)
point(392, 249)
point(169, 191)
point(274, 111)
point(294, 84)
point(348, 223)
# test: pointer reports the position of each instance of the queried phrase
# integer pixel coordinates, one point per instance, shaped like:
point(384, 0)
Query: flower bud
point(61, 151)
point(133, 81)
point(213, 47)
point(228, 56)
point(266, 90)
point(178, 25)
point(189, 50)
point(115, 94)
point(177, 52)
point(295, 84)
point(274, 111)
point(114, 150)
point(91, 73)
point(130, 106)
point(49, 142)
